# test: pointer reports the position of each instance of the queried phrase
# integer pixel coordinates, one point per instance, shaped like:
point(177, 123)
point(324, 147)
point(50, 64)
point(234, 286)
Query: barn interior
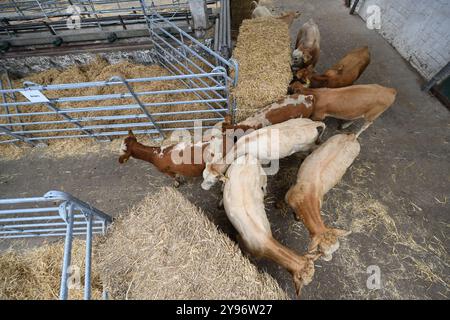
point(394, 198)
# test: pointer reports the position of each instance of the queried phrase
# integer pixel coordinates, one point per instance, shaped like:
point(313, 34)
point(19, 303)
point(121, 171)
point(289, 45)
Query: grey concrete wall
point(419, 30)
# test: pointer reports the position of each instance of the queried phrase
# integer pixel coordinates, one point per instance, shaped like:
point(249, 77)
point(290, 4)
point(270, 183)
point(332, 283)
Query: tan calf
point(243, 199)
point(268, 143)
point(320, 172)
point(342, 74)
point(366, 101)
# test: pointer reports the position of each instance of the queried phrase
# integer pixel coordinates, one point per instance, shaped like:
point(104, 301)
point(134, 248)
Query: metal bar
point(31, 210)
point(37, 225)
point(87, 267)
point(40, 230)
point(81, 85)
point(115, 133)
point(47, 218)
point(127, 107)
point(125, 125)
point(120, 117)
point(67, 254)
point(45, 235)
point(12, 134)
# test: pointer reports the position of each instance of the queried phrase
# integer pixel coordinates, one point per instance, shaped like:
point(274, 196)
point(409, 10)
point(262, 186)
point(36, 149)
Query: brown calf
point(367, 101)
point(342, 74)
point(176, 161)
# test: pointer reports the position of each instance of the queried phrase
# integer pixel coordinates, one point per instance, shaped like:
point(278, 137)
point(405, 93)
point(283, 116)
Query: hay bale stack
point(35, 274)
point(166, 248)
point(263, 51)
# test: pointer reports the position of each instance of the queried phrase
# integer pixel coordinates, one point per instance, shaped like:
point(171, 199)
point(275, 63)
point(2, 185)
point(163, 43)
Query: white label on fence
point(34, 96)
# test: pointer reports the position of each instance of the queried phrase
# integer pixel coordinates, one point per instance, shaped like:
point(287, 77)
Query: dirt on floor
point(395, 198)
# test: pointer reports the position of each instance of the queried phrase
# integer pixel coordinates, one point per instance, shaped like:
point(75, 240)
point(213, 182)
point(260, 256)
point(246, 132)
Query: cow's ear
point(130, 133)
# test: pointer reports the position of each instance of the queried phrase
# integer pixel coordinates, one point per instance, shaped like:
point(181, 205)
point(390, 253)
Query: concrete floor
point(395, 197)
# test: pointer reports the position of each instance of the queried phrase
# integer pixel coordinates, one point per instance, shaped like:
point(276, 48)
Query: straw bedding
point(35, 274)
point(166, 248)
point(263, 52)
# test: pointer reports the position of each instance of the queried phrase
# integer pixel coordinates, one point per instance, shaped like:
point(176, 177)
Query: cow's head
point(304, 75)
point(211, 175)
point(125, 152)
point(301, 57)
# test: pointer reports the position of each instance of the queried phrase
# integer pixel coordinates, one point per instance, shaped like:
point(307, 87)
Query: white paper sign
point(34, 96)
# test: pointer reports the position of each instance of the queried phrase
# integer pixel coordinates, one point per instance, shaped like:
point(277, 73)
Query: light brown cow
point(269, 143)
point(320, 172)
point(243, 199)
point(307, 46)
point(342, 74)
point(366, 101)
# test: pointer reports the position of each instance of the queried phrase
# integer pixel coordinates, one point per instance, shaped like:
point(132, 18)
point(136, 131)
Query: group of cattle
point(233, 153)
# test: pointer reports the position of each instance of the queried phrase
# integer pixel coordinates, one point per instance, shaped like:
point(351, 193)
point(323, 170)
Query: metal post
point(63, 294)
point(87, 271)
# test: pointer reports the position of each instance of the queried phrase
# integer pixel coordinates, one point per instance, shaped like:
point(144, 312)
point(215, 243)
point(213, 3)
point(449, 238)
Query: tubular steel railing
point(54, 214)
point(199, 70)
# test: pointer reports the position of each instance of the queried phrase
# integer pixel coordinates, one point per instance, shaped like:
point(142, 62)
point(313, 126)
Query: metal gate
point(54, 214)
point(198, 70)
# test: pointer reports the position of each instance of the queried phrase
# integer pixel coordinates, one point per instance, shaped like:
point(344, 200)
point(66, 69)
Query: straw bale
point(166, 248)
point(263, 52)
point(35, 273)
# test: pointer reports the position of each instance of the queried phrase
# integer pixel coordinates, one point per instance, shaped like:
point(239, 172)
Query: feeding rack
point(52, 215)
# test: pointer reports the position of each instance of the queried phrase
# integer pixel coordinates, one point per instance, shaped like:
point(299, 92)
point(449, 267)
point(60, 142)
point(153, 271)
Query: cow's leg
point(220, 203)
point(364, 127)
point(343, 124)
